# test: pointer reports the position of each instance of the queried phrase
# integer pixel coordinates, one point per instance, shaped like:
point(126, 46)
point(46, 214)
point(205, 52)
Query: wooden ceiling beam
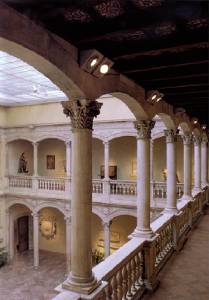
point(176, 77)
point(183, 86)
point(166, 67)
point(174, 50)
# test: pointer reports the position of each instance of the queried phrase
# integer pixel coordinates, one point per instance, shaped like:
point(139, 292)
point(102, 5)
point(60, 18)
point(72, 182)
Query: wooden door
point(23, 233)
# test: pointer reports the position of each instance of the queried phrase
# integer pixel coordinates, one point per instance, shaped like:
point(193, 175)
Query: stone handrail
point(123, 271)
point(20, 182)
point(51, 184)
point(97, 186)
point(123, 187)
point(135, 266)
point(160, 190)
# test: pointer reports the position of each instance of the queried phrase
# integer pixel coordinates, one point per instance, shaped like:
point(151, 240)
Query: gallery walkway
point(19, 280)
point(186, 276)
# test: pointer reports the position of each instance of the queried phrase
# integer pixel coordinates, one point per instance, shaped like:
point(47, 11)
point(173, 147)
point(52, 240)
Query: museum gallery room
point(104, 191)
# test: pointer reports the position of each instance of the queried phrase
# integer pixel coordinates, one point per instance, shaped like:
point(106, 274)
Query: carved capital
point(171, 135)
point(197, 140)
point(144, 129)
point(106, 224)
point(35, 215)
point(187, 138)
point(68, 143)
point(82, 112)
point(68, 220)
point(35, 144)
point(204, 140)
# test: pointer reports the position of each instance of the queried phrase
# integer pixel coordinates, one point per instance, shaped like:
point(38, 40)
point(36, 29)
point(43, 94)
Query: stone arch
point(168, 120)
point(98, 214)
point(51, 205)
point(25, 203)
point(98, 137)
point(21, 138)
point(51, 136)
point(121, 134)
point(120, 213)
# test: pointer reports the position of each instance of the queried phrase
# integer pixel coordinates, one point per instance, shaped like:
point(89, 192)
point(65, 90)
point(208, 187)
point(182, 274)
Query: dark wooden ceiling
point(161, 44)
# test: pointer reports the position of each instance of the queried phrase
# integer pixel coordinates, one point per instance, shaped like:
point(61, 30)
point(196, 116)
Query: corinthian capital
point(82, 112)
point(204, 139)
point(197, 140)
point(144, 128)
point(187, 138)
point(171, 135)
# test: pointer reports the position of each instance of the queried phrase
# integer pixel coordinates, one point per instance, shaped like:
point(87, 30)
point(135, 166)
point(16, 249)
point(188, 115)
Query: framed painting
point(50, 162)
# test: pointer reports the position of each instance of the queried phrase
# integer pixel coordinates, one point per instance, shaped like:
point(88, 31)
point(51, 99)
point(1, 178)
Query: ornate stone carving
point(144, 129)
point(204, 139)
point(82, 112)
point(197, 140)
point(68, 220)
point(187, 138)
point(171, 135)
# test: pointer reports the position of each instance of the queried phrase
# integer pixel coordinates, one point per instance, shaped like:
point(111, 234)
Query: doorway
point(23, 234)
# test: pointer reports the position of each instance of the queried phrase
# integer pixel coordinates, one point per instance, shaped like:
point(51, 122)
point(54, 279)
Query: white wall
point(52, 113)
point(123, 155)
point(97, 157)
point(51, 147)
point(15, 149)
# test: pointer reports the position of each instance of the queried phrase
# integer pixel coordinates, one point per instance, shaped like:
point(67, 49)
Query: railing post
point(150, 277)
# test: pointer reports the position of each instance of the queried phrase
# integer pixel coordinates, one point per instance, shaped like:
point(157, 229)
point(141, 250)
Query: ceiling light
point(194, 120)
point(104, 69)
point(93, 62)
point(154, 96)
point(204, 126)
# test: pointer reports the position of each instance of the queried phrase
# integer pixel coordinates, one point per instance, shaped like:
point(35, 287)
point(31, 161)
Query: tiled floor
point(186, 276)
point(19, 281)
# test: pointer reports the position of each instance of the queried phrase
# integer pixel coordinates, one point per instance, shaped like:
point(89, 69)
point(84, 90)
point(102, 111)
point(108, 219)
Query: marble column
point(11, 237)
point(35, 240)
point(106, 238)
point(204, 161)
point(171, 138)
point(82, 112)
point(68, 241)
point(68, 158)
point(106, 183)
point(35, 159)
point(152, 169)
point(197, 164)
point(187, 140)
point(143, 228)
point(106, 160)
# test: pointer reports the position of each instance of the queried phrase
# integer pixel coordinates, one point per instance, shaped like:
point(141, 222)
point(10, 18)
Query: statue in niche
point(22, 164)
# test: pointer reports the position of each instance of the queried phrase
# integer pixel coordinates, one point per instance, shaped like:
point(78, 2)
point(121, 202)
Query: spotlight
point(154, 96)
point(93, 62)
point(103, 67)
point(90, 59)
point(204, 126)
point(194, 121)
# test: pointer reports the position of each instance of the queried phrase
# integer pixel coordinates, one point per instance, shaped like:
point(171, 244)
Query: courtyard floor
point(20, 281)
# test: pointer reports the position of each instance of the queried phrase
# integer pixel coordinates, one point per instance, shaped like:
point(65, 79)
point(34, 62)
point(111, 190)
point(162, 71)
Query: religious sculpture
point(22, 164)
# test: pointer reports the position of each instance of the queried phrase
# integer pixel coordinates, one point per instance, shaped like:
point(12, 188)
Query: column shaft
point(187, 138)
point(68, 241)
point(36, 239)
point(68, 158)
point(106, 160)
point(106, 239)
point(143, 228)
point(81, 112)
point(171, 205)
point(197, 164)
point(35, 159)
point(204, 161)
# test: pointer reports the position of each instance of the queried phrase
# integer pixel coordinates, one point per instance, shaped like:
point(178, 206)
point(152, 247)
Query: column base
point(170, 210)
point(79, 286)
point(142, 233)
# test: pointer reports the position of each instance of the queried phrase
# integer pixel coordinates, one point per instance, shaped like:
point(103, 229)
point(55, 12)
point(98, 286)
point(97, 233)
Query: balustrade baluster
point(119, 285)
point(125, 282)
point(129, 293)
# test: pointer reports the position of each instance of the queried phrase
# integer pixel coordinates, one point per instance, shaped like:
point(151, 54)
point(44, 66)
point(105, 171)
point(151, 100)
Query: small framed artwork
point(50, 162)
